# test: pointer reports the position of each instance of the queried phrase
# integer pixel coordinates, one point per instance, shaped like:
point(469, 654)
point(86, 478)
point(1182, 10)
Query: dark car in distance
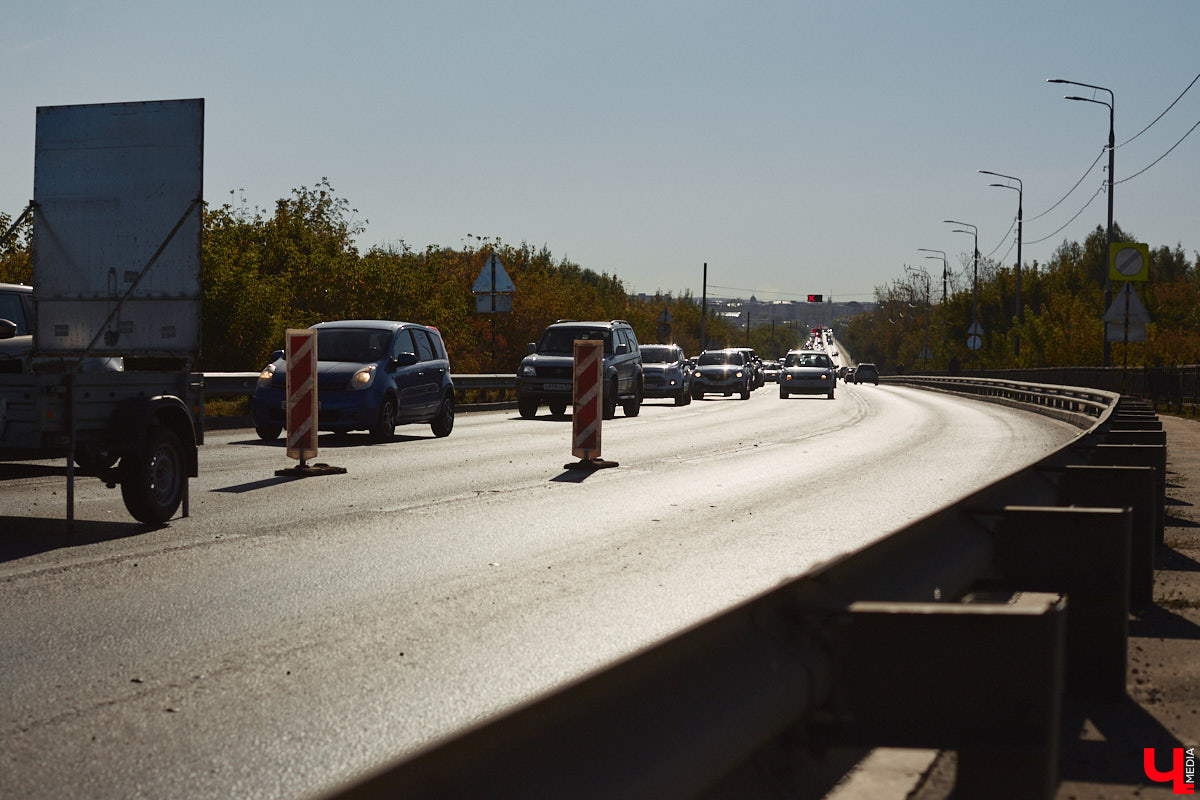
point(866, 372)
point(371, 375)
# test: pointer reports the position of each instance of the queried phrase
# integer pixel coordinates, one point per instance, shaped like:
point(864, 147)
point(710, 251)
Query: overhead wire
point(1103, 150)
point(1072, 219)
point(1160, 116)
point(1160, 158)
point(1003, 239)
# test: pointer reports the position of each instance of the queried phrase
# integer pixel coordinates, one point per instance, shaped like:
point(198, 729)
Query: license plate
point(558, 387)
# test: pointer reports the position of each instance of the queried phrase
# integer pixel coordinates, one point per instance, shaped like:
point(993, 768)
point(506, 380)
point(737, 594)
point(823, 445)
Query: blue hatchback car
point(371, 375)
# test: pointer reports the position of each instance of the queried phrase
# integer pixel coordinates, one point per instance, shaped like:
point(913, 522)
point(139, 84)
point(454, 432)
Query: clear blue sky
point(794, 146)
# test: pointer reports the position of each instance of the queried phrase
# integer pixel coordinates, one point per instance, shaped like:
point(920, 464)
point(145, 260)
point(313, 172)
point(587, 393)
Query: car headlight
point(787, 377)
point(738, 374)
point(527, 371)
point(264, 377)
point(363, 378)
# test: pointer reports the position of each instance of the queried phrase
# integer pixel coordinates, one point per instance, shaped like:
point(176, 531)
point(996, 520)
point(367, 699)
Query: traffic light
point(815, 298)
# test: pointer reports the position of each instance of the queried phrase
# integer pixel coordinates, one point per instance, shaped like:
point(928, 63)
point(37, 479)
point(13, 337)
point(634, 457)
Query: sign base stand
point(304, 470)
point(591, 464)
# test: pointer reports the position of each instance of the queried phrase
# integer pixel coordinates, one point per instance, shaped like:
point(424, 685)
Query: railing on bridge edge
point(958, 632)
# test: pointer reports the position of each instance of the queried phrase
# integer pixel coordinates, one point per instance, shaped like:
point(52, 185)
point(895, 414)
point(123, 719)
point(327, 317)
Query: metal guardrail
point(1174, 388)
point(958, 632)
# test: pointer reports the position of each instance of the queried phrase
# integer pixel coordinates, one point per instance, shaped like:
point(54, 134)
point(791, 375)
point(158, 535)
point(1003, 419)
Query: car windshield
point(361, 345)
point(652, 354)
point(561, 341)
point(808, 360)
point(719, 357)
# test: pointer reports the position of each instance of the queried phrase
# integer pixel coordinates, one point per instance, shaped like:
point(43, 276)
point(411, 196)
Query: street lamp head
point(1056, 80)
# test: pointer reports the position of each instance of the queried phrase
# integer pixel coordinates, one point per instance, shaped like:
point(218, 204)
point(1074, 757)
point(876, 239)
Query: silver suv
point(547, 373)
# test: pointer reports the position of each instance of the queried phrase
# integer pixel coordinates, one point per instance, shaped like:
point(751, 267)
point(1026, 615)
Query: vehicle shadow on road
point(24, 536)
point(336, 441)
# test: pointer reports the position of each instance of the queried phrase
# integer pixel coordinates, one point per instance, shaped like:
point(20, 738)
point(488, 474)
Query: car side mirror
point(8, 329)
point(531, 347)
point(276, 355)
point(403, 360)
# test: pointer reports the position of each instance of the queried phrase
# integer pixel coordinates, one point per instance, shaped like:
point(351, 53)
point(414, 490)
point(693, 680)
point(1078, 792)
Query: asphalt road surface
point(290, 634)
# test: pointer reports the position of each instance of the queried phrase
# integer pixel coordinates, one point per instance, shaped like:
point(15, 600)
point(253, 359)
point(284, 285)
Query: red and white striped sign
point(589, 399)
point(301, 393)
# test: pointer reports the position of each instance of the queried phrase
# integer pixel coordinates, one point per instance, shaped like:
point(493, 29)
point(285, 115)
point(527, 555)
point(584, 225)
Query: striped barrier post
point(587, 412)
point(301, 394)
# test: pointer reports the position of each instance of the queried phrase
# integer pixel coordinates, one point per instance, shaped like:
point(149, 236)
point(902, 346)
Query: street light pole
point(945, 280)
point(975, 290)
point(945, 268)
point(1112, 148)
point(925, 354)
point(1020, 190)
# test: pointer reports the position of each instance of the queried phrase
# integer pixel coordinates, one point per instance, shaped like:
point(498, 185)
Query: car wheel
point(268, 433)
point(745, 392)
point(558, 408)
point(527, 406)
point(633, 407)
point(682, 398)
point(782, 393)
point(443, 423)
point(830, 395)
point(610, 402)
point(384, 428)
point(697, 394)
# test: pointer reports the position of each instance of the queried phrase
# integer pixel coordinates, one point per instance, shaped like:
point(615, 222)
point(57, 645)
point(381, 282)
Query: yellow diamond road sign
point(1128, 261)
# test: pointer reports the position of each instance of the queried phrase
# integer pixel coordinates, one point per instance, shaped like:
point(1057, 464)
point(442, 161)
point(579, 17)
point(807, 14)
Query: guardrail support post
point(984, 679)
point(1120, 487)
point(1083, 553)
point(1139, 455)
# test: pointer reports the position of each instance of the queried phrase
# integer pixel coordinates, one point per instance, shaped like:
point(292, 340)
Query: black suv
point(547, 373)
point(866, 371)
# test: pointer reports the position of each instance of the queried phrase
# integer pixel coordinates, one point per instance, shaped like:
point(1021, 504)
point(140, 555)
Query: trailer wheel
point(154, 479)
